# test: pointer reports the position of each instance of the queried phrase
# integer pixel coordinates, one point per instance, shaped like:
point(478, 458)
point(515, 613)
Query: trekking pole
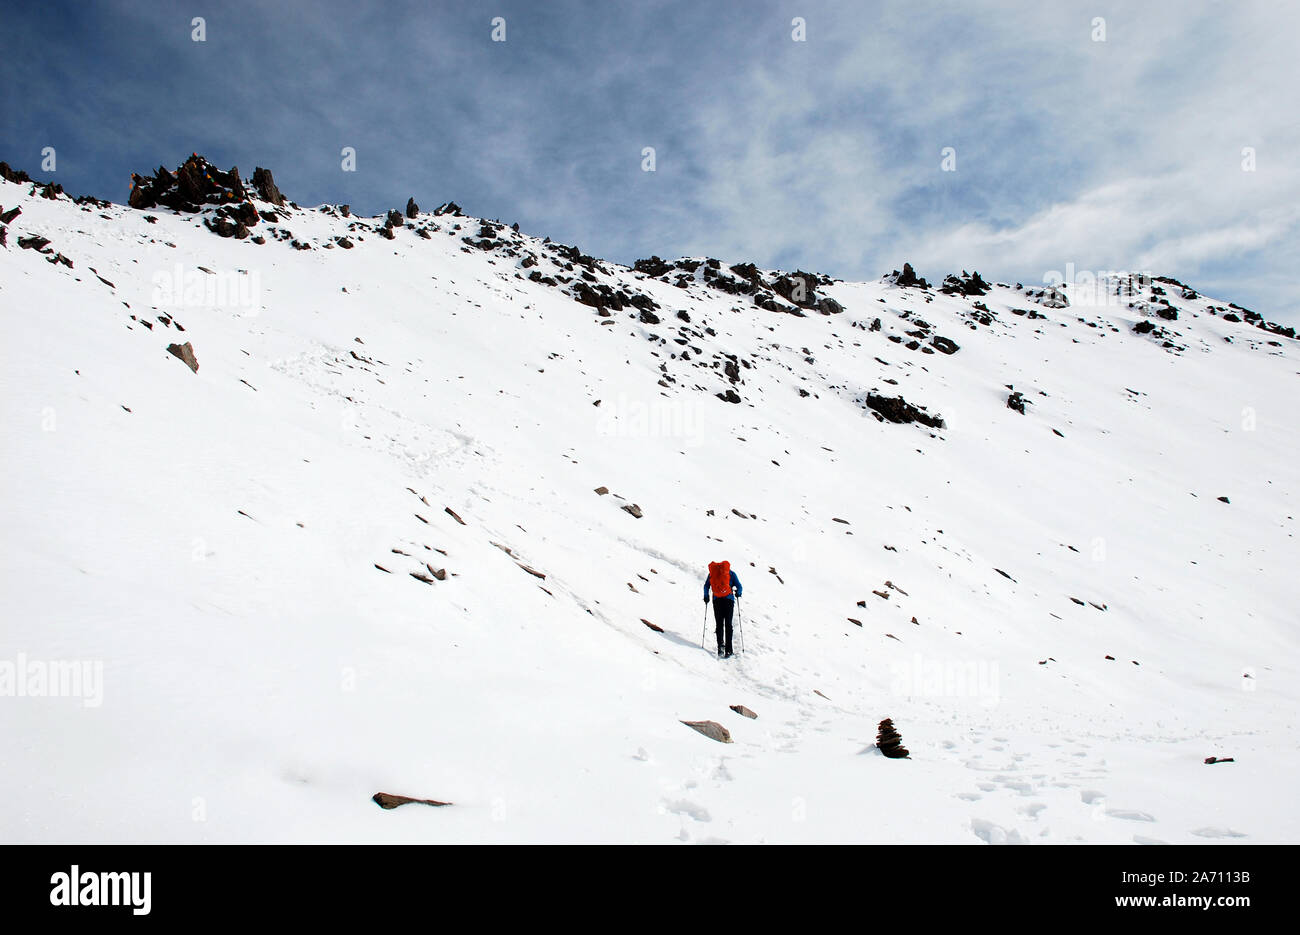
point(704, 632)
point(740, 625)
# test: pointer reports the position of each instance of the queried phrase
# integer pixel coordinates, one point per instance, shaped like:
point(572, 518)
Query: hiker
point(722, 581)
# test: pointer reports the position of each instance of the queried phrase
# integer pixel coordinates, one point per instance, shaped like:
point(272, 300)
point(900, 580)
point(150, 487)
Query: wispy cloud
point(824, 154)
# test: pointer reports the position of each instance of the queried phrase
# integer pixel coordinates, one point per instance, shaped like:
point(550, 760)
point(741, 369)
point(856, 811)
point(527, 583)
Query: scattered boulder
point(412, 209)
point(1211, 760)
point(186, 353)
point(969, 284)
point(942, 345)
point(798, 288)
point(711, 729)
point(890, 742)
point(8, 216)
point(1017, 402)
point(385, 800)
point(653, 626)
point(898, 410)
point(601, 491)
point(633, 509)
point(1049, 297)
point(743, 711)
point(652, 266)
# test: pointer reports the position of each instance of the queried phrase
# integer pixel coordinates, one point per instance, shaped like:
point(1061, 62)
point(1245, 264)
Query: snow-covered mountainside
point(366, 546)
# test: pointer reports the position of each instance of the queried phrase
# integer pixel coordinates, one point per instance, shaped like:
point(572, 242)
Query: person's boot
point(728, 655)
point(720, 654)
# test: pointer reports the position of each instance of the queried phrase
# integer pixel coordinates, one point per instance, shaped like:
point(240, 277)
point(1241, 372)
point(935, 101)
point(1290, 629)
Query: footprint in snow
point(1139, 839)
point(969, 796)
point(1212, 832)
point(1090, 796)
point(1129, 814)
point(991, 833)
point(1033, 808)
point(687, 808)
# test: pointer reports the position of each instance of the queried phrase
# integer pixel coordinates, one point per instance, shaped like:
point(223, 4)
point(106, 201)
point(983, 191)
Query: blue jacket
point(735, 587)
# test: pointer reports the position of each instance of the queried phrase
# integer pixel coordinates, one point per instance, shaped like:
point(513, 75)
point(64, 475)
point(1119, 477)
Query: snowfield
point(226, 557)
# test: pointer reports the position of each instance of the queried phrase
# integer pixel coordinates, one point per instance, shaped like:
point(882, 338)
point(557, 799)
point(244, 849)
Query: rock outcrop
point(194, 184)
point(266, 188)
point(908, 278)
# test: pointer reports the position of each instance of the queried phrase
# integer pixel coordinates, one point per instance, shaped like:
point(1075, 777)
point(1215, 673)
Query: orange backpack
point(720, 578)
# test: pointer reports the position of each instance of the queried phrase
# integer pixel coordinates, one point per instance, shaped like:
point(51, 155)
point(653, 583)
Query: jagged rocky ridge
point(254, 209)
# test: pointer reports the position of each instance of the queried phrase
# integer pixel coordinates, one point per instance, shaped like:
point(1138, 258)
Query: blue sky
point(825, 153)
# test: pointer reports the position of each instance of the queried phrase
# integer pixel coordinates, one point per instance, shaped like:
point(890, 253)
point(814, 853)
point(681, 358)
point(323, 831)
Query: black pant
point(722, 609)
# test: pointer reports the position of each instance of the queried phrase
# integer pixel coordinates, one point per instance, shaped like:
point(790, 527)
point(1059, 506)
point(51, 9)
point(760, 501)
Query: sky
point(1016, 138)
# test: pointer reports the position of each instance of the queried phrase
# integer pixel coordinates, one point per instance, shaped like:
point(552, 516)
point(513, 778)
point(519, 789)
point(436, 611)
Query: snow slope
point(210, 541)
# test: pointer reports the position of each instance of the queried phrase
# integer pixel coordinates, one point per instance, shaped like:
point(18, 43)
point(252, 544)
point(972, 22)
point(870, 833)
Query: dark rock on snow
point(898, 410)
point(908, 277)
point(889, 741)
point(185, 352)
point(711, 729)
point(384, 800)
point(267, 191)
